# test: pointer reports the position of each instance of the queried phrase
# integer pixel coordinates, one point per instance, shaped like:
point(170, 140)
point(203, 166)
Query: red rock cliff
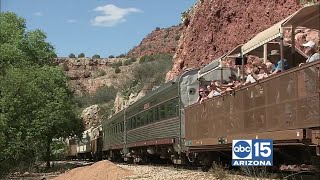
point(217, 26)
point(159, 41)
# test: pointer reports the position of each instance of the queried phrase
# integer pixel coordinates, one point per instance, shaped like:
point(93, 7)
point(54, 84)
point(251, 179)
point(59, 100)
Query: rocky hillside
point(102, 87)
point(87, 74)
point(159, 41)
point(215, 27)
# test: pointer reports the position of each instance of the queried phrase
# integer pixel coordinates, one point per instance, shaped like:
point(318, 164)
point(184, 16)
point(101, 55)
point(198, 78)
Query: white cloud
point(71, 21)
point(38, 14)
point(111, 15)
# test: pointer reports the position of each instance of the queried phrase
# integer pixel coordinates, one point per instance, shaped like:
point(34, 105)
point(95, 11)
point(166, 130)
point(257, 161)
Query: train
point(168, 123)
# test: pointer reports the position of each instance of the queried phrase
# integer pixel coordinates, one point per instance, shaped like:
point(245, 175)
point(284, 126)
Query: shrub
point(254, 171)
point(72, 55)
point(142, 59)
point(106, 109)
point(218, 171)
point(166, 35)
point(102, 95)
point(127, 62)
point(81, 55)
point(154, 57)
point(157, 28)
point(96, 56)
point(117, 70)
point(116, 64)
point(111, 56)
point(177, 37)
point(65, 67)
point(99, 73)
point(307, 2)
point(133, 59)
point(121, 56)
point(153, 70)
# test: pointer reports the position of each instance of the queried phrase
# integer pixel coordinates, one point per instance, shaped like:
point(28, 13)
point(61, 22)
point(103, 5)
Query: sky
point(104, 27)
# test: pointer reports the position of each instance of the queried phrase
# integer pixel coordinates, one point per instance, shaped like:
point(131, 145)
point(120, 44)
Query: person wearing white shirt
point(311, 51)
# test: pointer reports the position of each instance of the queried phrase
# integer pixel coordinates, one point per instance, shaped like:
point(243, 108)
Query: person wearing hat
point(275, 58)
point(311, 51)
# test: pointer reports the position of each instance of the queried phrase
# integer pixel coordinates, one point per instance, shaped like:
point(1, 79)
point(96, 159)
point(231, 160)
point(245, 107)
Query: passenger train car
point(168, 123)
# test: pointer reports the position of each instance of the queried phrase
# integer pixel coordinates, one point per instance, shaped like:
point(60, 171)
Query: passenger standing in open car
point(212, 91)
point(252, 76)
point(269, 67)
point(275, 58)
point(311, 51)
point(202, 95)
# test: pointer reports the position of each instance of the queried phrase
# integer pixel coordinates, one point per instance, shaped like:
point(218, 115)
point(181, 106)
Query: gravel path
point(148, 172)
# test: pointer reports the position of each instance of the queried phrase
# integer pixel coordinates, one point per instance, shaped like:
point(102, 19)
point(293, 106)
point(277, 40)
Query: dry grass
point(256, 172)
point(219, 171)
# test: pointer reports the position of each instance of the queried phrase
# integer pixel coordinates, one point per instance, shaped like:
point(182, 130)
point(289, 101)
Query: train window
point(162, 111)
point(156, 113)
point(138, 121)
point(117, 129)
point(134, 124)
point(150, 115)
point(144, 118)
point(128, 124)
point(192, 91)
point(170, 109)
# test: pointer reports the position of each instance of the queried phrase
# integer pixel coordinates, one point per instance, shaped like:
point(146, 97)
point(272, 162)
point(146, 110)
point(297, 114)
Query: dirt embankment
point(98, 171)
point(217, 26)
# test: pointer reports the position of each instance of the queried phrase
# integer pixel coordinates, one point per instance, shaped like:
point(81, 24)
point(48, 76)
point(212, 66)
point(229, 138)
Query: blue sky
point(104, 27)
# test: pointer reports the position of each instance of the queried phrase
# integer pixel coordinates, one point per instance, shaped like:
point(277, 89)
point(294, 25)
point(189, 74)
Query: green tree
point(121, 56)
point(19, 47)
point(35, 103)
point(36, 107)
point(81, 55)
point(96, 56)
point(71, 55)
point(111, 56)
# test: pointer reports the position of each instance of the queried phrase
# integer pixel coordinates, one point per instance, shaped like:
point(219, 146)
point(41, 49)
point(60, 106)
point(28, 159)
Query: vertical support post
point(221, 71)
point(293, 47)
point(242, 67)
point(265, 52)
point(281, 49)
point(125, 131)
